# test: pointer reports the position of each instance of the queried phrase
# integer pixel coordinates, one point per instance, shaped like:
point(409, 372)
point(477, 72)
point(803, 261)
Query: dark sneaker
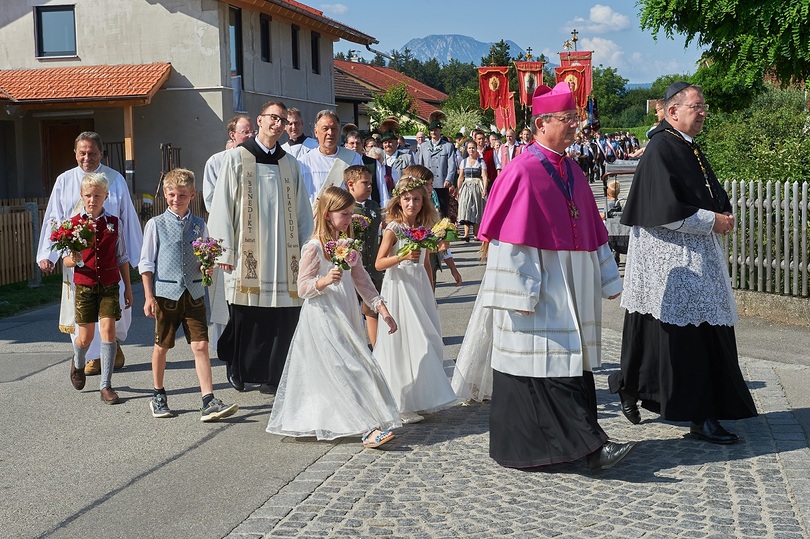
point(160, 407)
point(216, 410)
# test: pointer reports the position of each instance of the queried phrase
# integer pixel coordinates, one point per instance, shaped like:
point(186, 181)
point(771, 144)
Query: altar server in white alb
point(65, 201)
point(548, 268)
point(261, 212)
point(240, 128)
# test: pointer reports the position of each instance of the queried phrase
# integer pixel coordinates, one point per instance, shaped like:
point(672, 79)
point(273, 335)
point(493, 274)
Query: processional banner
point(530, 76)
point(493, 86)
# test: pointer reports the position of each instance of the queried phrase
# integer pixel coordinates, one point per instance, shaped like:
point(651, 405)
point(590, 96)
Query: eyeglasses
point(567, 119)
point(700, 107)
point(245, 132)
point(276, 119)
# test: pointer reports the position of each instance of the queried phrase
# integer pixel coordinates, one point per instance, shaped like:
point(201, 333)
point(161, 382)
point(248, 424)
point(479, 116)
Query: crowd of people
point(321, 296)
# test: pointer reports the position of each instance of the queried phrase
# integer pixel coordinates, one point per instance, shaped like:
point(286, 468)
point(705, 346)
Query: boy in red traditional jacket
point(97, 272)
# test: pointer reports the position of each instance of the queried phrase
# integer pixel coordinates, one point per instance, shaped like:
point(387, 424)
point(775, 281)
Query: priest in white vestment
point(65, 202)
point(261, 212)
point(548, 268)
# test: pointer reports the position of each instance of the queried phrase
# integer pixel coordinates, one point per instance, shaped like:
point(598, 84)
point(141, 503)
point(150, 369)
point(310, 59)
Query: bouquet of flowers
point(207, 250)
point(343, 252)
point(74, 238)
point(359, 224)
point(418, 237)
point(445, 230)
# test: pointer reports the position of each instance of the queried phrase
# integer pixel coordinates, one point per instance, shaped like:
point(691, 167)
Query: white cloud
point(605, 52)
point(602, 19)
point(334, 9)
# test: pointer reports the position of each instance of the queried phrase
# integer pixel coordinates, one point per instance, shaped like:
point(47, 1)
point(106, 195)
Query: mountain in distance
point(447, 47)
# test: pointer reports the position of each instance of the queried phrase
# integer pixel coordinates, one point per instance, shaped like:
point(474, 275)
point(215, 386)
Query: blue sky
point(609, 28)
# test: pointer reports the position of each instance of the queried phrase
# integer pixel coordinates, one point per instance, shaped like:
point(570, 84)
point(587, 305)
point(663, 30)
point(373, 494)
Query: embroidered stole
point(248, 280)
point(67, 308)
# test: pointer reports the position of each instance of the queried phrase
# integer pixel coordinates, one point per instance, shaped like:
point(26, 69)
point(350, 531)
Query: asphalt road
point(73, 467)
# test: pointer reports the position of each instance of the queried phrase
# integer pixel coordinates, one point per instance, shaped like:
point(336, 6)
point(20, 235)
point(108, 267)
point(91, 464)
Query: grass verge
point(19, 297)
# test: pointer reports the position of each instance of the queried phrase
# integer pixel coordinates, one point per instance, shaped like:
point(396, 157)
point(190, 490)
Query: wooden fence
point(767, 251)
point(20, 221)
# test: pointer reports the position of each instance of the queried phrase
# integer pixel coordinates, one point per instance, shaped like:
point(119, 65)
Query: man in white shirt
point(324, 165)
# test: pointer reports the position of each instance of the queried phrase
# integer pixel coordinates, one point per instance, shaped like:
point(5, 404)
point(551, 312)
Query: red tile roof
point(299, 13)
point(426, 99)
point(83, 83)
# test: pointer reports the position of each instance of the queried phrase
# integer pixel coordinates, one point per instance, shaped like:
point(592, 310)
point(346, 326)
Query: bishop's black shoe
point(609, 455)
point(712, 431)
point(235, 383)
point(630, 408)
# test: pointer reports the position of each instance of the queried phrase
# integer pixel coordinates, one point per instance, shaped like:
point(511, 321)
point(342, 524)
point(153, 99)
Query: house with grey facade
point(148, 72)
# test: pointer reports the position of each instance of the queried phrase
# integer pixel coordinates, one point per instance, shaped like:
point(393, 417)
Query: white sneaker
point(411, 417)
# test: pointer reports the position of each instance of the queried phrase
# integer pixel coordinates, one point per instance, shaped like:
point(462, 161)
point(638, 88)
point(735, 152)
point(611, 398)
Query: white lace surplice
point(679, 276)
point(412, 358)
point(331, 386)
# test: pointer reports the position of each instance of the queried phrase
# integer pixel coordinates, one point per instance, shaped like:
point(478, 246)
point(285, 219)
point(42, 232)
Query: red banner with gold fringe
point(505, 116)
point(579, 58)
point(575, 77)
point(493, 86)
point(530, 76)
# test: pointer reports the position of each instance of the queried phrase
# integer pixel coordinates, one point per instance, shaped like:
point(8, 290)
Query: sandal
point(382, 437)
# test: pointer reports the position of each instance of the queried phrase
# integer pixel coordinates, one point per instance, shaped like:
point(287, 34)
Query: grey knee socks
point(79, 356)
point(107, 361)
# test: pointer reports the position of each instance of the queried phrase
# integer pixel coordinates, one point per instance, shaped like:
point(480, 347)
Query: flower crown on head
point(413, 183)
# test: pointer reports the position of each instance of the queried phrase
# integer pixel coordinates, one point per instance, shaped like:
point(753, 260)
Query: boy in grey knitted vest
point(172, 283)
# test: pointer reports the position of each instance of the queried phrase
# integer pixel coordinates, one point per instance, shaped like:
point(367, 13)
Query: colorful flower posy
point(418, 237)
point(207, 250)
point(74, 238)
point(343, 252)
point(359, 224)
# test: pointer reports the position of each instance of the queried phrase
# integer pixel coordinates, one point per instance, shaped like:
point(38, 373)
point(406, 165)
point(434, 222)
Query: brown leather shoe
point(119, 357)
point(109, 396)
point(92, 367)
point(77, 376)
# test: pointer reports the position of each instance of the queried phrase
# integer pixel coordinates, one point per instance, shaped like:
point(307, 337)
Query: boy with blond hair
point(97, 272)
point(174, 294)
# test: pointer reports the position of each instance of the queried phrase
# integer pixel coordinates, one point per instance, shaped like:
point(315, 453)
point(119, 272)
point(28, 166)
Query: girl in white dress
point(332, 386)
point(412, 358)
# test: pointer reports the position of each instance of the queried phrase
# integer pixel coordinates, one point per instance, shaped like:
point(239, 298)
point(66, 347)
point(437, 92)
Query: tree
point(498, 55)
point(747, 38)
point(776, 149)
point(397, 102)
point(726, 91)
point(455, 76)
point(609, 90)
point(378, 60)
